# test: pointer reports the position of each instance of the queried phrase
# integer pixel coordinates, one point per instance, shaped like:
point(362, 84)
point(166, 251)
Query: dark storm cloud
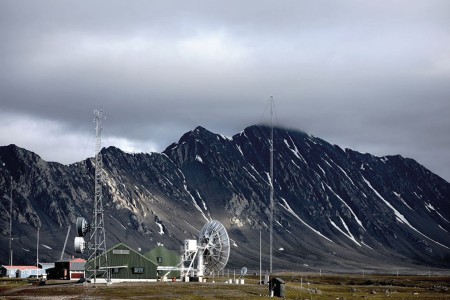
point(369, 75)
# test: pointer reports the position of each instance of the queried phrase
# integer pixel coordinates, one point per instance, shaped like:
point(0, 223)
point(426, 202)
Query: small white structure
point(207, 255)
point(190, 245)
point(22, 271)
point(211, 250)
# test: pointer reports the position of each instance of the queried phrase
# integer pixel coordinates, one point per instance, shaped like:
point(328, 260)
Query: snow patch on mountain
point(240, 150)
point(289, 209)
point(322, 170)
point(442, 217)
point(194, 202)
point(251, 175)
point(402, 200)
point(347, 234)
point(399, 216)
point(294, 150)
point(112, 217)
point(345, 203)
point(161, 229)
point(429, 207)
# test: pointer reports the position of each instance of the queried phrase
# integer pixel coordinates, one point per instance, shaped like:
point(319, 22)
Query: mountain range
point(334, 209)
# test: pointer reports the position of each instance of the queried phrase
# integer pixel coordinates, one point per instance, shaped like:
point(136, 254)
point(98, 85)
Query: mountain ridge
point(363, 208)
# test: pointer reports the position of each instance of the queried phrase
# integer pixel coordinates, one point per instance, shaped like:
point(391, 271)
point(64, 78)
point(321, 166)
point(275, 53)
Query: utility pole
point(260, 266)
point(37, 250)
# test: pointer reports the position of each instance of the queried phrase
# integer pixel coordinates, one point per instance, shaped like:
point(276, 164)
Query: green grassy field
point(298, 286)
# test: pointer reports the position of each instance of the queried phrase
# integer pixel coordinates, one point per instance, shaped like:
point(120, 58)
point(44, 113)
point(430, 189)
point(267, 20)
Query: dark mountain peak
point(19, 160)
point(112, 150)
point(262, 131)
point(10, 147)
point(200, 133)
point(201, 129)
point(197, 143)
point(330, 205)
point(14, 150)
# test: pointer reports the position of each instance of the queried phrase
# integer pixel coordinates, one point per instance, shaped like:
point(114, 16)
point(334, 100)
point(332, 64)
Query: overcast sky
point(373, 76)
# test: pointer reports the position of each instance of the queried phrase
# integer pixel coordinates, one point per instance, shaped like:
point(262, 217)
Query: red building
point(71, 269)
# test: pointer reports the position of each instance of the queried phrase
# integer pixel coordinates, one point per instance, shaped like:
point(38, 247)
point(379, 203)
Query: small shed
point(278, 286)
point(8, 271)
point(70, 269)
point(46, 266)
point(21, 271)
point(164, 257)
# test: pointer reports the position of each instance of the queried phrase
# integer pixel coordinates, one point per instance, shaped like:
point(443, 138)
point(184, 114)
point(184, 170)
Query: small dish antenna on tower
point(80, 244)
point(82, 228)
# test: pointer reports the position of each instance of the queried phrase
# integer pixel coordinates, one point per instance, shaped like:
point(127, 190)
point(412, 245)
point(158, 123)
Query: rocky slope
point(334, 208)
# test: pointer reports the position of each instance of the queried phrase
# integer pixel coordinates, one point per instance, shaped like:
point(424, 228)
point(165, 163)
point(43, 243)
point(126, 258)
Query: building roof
point(21, 268)
point(71, 260)
point(171, 258)
point(47, 265)
point(110, 253)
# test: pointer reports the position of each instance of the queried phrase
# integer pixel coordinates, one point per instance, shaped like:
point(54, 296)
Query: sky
point(372, 76)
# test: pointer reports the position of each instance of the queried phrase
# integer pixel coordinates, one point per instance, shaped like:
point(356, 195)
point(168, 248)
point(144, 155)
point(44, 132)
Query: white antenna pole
point(260, 266)
point(65, 243)
point(10, 225)
point(37, 250)
point(271, 180)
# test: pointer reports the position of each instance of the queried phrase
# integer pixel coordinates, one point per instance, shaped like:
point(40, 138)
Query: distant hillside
point(334, 208)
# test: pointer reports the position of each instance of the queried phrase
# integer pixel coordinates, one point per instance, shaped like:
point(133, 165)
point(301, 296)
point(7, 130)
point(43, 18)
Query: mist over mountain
point(334, 209)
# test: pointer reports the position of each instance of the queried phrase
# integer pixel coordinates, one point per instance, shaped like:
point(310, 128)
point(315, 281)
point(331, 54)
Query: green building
point(164, 257)
point(126, 264)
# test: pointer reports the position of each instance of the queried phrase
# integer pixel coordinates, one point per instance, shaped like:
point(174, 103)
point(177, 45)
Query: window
point(115, 270)
point(160, 260)
point(121, 251)
point(138, 270)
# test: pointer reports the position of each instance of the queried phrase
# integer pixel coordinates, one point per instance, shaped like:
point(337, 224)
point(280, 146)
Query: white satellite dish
point(82, 226)
point(79, 244)
point(243, 271)
point(214, 243)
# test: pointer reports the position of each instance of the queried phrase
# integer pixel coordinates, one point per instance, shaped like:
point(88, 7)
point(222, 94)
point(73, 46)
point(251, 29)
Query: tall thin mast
point(10, 224)
point(271, 180)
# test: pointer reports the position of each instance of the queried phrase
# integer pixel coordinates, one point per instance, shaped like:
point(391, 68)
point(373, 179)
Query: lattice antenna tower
point(97, 238)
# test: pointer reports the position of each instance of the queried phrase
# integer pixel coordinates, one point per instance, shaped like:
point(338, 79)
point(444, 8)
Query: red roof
point(21, 267)
point(77, 260)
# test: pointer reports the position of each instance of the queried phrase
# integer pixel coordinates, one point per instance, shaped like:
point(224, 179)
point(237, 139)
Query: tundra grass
point(298, 286)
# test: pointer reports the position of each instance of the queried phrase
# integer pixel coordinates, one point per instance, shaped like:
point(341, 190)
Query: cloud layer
point(368, 75)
